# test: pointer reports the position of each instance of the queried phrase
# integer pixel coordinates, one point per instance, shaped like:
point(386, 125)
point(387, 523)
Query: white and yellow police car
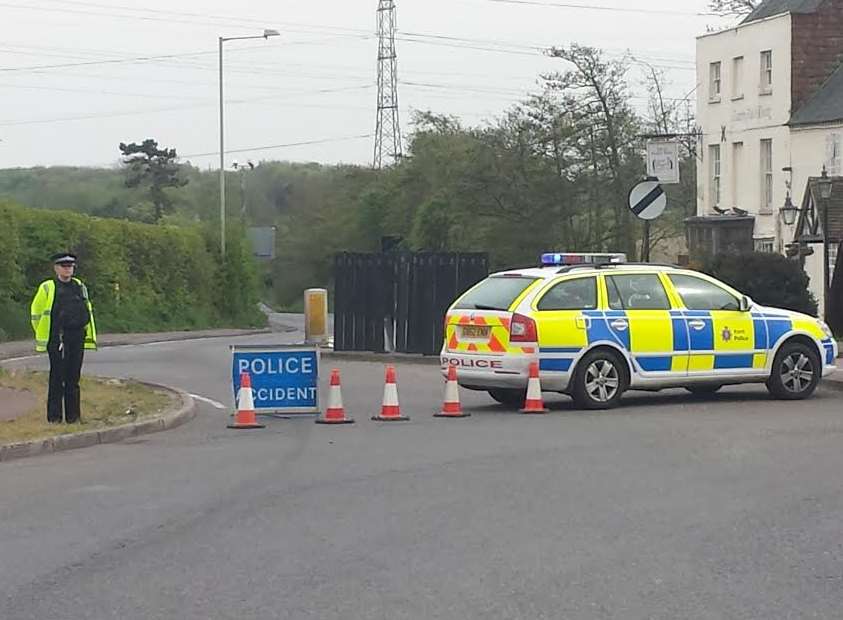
point(599, 326)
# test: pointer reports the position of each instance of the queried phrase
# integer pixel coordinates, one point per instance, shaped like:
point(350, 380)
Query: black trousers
point(66, 356)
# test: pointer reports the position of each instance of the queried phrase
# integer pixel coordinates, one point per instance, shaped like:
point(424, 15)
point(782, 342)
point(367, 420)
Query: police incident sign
point(285, 379)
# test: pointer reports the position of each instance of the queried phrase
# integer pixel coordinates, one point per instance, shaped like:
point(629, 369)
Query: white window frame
point(715, 81)
point(715, 174)
point(766, 85)
point(833, 151)
point(737, 167)
point(737, 77)
point(765, 244)
point(766, 166)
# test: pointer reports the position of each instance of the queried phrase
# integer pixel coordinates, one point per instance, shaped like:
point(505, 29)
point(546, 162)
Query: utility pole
point(388, 128)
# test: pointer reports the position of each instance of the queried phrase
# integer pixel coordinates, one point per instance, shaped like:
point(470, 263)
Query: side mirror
point(745, 304)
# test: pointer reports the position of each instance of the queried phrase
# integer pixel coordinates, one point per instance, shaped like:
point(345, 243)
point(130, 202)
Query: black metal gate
point(397, 302)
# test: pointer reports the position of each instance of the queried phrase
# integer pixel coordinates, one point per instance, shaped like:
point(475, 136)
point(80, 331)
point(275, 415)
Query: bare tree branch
point(733, 7)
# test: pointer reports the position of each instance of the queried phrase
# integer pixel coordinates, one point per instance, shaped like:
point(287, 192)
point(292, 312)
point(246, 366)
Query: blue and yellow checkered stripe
point(661, 341)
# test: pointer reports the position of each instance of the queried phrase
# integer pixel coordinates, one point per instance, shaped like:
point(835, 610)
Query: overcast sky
point(469, 58)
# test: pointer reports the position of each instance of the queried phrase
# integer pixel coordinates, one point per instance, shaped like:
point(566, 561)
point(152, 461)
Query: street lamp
point(789, 211)
point(825, 185)
point(266, 34)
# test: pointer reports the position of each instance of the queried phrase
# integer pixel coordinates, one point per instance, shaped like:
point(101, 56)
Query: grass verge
point(105, 403)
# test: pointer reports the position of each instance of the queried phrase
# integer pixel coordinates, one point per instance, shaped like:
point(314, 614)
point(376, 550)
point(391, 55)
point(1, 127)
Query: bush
point(141, 277)
point(769, 279)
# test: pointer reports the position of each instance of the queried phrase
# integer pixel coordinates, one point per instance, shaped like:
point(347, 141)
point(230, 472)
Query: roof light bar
point(571, 258)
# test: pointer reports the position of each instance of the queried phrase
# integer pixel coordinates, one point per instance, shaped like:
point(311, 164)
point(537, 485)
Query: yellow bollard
point(316, 316)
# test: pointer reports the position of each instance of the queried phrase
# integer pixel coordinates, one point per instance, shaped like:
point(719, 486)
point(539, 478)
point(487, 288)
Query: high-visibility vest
point(42, 309)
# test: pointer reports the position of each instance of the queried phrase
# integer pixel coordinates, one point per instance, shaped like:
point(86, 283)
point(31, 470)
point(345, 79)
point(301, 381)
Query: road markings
point(213, 403)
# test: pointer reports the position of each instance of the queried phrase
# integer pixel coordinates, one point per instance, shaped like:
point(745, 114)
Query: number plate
point(475, 331)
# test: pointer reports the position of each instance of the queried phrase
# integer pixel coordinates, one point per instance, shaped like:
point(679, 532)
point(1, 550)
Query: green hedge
point(141, 277)
point(769, 279)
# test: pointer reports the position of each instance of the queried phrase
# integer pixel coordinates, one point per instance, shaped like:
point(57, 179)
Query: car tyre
point(797, 370)
point(513, 398)
point(600, 380)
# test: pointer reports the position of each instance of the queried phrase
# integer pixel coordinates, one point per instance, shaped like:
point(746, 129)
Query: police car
point(599, 326)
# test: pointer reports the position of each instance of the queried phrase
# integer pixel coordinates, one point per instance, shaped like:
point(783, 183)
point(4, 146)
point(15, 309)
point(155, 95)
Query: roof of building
point(833, 204)
point(825, 106)
point(769, 8)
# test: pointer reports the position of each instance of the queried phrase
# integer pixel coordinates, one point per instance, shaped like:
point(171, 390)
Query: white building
point(770, 108)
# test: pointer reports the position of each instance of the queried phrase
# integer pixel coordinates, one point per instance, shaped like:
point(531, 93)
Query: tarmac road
point(672, 507)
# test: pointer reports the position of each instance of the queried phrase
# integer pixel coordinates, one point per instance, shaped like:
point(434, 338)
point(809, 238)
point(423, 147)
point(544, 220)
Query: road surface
point(669, 508)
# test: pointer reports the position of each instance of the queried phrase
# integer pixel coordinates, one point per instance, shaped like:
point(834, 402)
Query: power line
point(105, 115)
point(595, 7)
point(281, 146)
point(229, 19)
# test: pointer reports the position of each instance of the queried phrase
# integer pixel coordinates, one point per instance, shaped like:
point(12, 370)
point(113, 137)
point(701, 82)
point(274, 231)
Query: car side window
point(637, 292)
point(699, 294)
point(579, 294)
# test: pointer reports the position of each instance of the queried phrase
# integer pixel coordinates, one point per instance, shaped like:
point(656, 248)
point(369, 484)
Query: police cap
point(63, 257)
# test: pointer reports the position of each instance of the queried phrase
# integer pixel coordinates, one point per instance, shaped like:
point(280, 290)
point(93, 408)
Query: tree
point(597, 99)
point(733, 7)
point(147, 165)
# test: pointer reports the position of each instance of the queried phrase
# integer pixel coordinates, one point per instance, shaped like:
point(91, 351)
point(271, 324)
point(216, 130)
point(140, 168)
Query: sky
point(77, 77)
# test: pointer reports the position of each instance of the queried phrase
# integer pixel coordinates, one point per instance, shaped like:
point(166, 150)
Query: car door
point(561, 316)
point(724, 341)
point(640, 313)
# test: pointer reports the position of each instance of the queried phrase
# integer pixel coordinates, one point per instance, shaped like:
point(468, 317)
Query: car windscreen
point(496, 293)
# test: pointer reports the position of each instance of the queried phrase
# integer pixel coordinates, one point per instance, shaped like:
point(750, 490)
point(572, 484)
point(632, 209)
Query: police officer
point(63, 321)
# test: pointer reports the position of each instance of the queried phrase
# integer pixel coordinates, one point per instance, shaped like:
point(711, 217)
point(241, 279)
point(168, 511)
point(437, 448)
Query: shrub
point(769, 279)
point(141, 277)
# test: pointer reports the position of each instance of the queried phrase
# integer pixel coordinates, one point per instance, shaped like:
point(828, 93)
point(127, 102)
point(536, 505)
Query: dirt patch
point(15, 403)
point(105, 403)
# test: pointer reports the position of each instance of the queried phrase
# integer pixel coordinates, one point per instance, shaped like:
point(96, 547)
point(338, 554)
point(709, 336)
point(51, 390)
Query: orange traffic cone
point(452, 407)
point(391, 410)
point(534, 402)
point(245, 417)
point(335, 413)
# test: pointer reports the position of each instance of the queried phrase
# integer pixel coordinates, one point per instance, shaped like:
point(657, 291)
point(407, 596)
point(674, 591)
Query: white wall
point(748, 116)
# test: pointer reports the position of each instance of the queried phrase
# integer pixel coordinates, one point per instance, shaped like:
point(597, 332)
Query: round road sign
point(647, 200)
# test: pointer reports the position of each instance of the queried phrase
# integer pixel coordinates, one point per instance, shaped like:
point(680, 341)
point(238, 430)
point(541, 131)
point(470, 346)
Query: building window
point(714, 82)
point(737, 172)
point(766, 176)
point(766, 244)
point(766, 72)
point(714, 159)
point(580, 294)
point(737, 78)
point(832, 154)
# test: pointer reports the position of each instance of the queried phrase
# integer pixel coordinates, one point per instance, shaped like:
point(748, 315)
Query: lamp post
point(266, 34)
point(789, 211)
point(825, 186)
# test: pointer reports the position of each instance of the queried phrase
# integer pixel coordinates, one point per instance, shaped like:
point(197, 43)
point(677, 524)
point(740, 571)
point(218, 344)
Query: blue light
point(558, 259)
point(554, 260)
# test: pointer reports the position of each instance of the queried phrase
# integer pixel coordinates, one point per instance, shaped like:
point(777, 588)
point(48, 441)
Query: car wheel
point(511, 398)
point(703, 390)
point(600, 380)
point(796, 372)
